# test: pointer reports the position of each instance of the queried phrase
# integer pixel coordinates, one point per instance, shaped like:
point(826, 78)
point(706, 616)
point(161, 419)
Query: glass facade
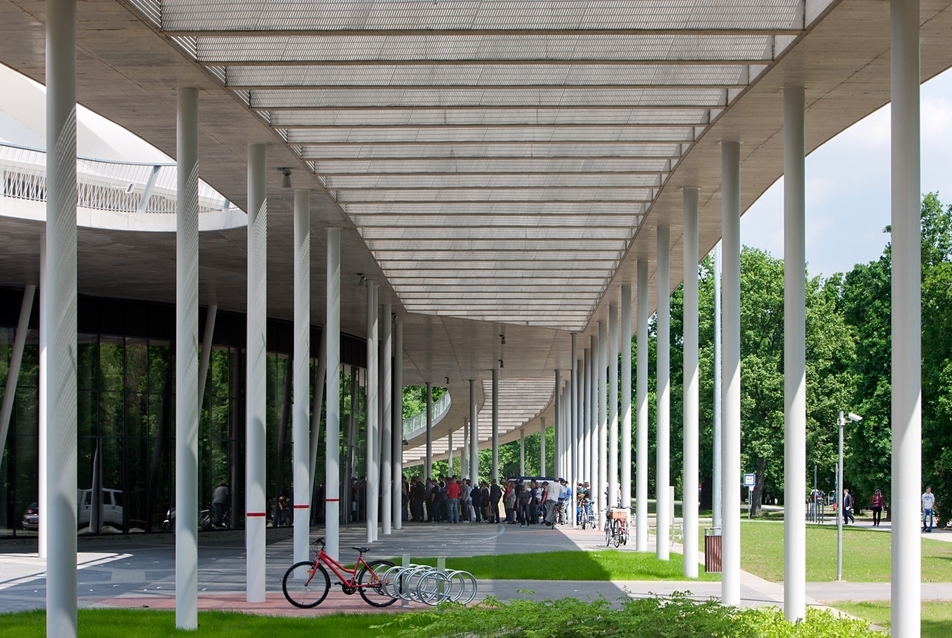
point(126, 427)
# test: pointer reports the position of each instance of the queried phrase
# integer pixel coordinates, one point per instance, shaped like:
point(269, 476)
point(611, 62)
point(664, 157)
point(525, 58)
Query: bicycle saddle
point(361, 549)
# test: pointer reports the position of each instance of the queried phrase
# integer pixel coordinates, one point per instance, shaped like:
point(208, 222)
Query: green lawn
point(866, 554)
point(936, 615)
point(139, 623)
point(608, 564)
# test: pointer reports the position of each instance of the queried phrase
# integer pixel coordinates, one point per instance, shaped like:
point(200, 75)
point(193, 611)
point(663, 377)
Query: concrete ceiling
point(129, 69)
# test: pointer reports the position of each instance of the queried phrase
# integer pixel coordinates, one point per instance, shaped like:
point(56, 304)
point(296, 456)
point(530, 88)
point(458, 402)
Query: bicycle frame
point(339, 570)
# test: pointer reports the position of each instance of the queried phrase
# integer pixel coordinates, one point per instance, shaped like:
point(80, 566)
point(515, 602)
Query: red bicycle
point(306, 583)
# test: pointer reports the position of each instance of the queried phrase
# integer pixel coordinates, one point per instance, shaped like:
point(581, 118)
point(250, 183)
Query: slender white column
point(208, 337)
point(906, 319)
point(332, 419)
point(464, 451)
point(373, 470)
point(612, 405)
point(397, 423)
point(794, 355)
point(449, 453)
point(43, 432)
point(626, 396)
point(473, 434)
point(586, 422)
point(428, 462)
point(386, 434)
point(730, 441)
point(717, 507)
point(187, 399)
point(16, 358)
point(522, 451)
point(301, 383)
point(574, 439)
point(319, 375)
point(602, 422)
point(593, 422)
point(60, 297)
point(256, 373)
point(557, 470)
point(662, 447)
point(689, 499)
point(641, 420)
point(542, 446)
point(495, 417)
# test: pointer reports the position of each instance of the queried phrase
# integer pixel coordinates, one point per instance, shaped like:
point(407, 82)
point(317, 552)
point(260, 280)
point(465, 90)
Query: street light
point(841, 422)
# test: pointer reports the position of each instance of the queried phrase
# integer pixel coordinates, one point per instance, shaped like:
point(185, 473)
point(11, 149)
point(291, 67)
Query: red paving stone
point(275, 604)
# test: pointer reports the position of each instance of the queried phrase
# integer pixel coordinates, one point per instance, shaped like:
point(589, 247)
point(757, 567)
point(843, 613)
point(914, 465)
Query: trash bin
point(712, 550)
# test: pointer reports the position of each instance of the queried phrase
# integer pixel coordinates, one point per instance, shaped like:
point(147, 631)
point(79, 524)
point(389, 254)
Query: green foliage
point(936, 615)
point(670, 617)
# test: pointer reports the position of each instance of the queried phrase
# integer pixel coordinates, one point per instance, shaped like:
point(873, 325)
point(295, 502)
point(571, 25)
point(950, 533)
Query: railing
point(122, 187)
point(417, 422)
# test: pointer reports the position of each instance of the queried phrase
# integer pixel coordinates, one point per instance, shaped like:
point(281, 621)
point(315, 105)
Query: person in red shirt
point(453, 492)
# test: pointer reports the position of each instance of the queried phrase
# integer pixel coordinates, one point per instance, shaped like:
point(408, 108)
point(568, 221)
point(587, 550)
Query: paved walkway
point(139, 570)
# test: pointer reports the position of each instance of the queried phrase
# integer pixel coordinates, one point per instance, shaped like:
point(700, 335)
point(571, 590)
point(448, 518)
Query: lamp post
point(841, 423)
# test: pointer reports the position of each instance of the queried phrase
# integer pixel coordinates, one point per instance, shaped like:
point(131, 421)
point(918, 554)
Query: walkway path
point(139, 570)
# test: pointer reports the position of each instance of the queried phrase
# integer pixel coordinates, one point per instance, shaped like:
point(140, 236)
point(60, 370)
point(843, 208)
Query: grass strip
point(936, 615)
point(601, 565)
point(866, 554)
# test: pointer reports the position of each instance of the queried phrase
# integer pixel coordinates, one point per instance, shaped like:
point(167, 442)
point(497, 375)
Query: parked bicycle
point(306, 583)
point(616, 527)
point(586, 515)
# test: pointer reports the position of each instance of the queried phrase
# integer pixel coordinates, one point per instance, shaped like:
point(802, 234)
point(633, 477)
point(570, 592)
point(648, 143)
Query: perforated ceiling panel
point(497, 157)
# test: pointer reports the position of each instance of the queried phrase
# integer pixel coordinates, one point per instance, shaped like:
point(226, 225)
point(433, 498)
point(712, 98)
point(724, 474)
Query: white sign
point(750, 480)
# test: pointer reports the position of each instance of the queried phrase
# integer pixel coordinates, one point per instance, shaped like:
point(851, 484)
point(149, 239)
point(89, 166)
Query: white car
point(111, 507)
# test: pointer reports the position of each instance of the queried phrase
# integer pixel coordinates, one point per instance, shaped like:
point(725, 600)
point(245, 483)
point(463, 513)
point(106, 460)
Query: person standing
point(553, 492)
point(928, 505)
point(453, 493)
point(220, 502)
point(876, 504)
point(848, 508)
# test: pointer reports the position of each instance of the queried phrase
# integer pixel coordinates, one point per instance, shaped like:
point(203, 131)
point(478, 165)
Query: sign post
point(749, 481)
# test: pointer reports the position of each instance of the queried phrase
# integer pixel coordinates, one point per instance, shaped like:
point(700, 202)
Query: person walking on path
point(848, 508)
point(877, 504)
point(928, 505)
point(220, 503)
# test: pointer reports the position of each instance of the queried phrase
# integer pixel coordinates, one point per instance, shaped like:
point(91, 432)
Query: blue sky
point(848, 187)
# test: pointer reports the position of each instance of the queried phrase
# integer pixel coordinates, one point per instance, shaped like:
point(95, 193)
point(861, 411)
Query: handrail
point(417, 423)
point(106, 185)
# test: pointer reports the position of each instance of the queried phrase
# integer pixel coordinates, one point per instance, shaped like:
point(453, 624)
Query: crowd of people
point(458, 500)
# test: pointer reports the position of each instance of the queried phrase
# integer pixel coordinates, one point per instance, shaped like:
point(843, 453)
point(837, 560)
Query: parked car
point(31, 517)
point(111, 507)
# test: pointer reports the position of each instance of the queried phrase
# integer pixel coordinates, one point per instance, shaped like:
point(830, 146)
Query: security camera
point(855, 417)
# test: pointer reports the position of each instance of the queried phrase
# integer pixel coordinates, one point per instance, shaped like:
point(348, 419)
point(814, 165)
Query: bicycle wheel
point(372, 588)
point(616, 532)
point(304, 586)
point(608, 533)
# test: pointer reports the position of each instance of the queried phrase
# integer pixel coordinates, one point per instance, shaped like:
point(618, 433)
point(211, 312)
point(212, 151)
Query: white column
point(386, 433)
point(662, 446)
point(428, 461)
point(542, 446)
point(574, 439)
point(689, 497)
point(641, 420)
point(602, 421)
point(522, 452)
point(473, 434)
point(906, 319)
point(794, 355)
point(60, 297)
point(332, 419)
point(397, 423)
point(373, 470)
point(612, 405)
point(626, 396)
point(449, 453)
point(464, 451)
point(557, 468)
point(256, 374)
point(42, 430)
point(495, 417)
point(593, 413)
point(718, 503)
point(187, 400)
point(16, 358)
point(301, 383)
point(730, 437)
point(585, 436)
